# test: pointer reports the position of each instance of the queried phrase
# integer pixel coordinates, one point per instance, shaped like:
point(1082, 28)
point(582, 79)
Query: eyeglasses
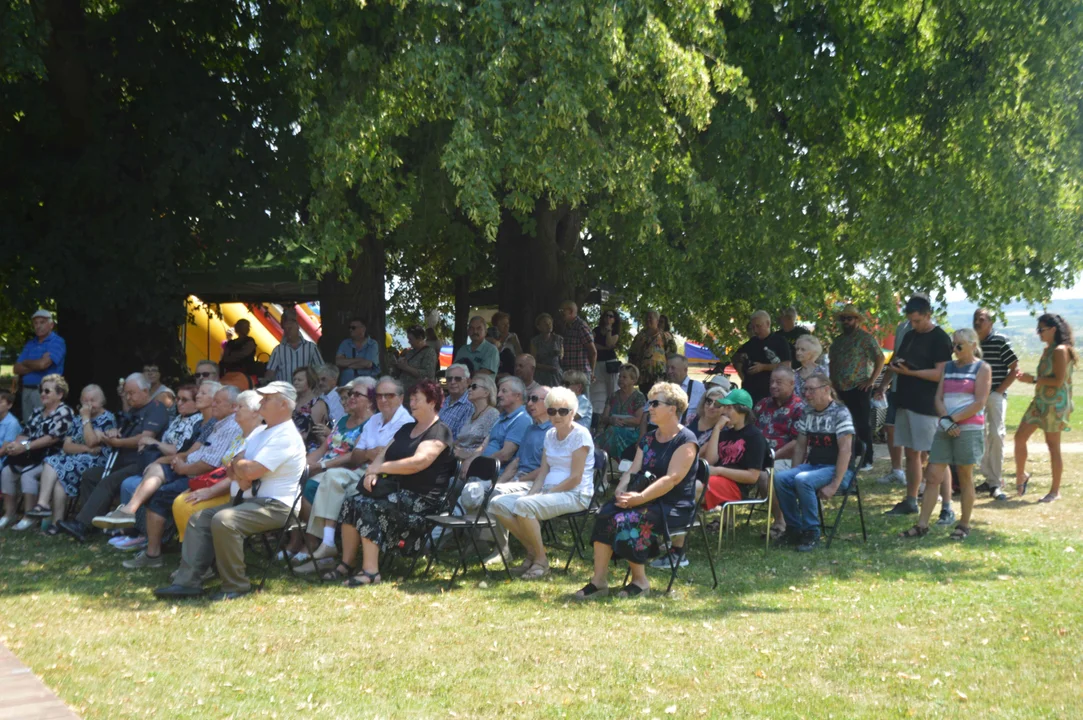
point(720, 402)
point(455, 378)
point(563, 412)
point(386, 396)
point(204, 374)
point(810, 388)
point(356, 393)
point(958, 347)
point(534, 399)
point(473, 386)
point(656, 403)
point(48, 391)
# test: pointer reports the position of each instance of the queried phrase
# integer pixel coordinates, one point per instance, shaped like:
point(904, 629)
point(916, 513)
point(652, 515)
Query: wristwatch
point(26, 445)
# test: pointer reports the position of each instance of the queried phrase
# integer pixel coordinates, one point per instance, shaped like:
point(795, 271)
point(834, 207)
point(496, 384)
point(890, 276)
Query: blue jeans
point(796, 490)
point(127, 488)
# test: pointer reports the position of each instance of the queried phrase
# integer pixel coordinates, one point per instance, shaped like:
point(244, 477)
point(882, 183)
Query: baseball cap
point(280, 388)
point(739, 396)
point(719, 380)
point(42, 313)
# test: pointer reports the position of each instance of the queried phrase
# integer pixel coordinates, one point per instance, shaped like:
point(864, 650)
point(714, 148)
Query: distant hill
point(1018, 323)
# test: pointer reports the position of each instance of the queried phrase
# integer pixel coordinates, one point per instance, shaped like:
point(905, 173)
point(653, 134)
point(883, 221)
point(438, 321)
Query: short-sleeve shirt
point(484, 357)
point(9, 430)
point(585, 410)
point(997, 351)
point(181, 429)
point(769, 350)
point(744, 449)
point(343, 438)
point(456, 414)
point(285, 359)
point(335, 411)
point(680, 500)
point(511, 427)
point(377, 433)
point(530, 449)
point(558, 454)
point(823, 429)
point(474, 432)
point(578, 339)
point(369, 350)
point(281, 450)
point(922, 351)
point(853, 358)
point(35, 349)
point(901, 332)
point(225, 432)
point(435, 475)
point(153, 418)
point(694, 389)
point(56, 424)
point(778, 423)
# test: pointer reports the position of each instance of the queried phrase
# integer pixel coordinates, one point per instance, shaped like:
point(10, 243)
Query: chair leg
point(707, 549)
point(838, 520)
point(860, 511)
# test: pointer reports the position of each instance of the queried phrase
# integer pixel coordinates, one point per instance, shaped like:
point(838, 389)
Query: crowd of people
point(368, 452)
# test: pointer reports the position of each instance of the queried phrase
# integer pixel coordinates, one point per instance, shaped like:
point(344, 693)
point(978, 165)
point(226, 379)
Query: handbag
point(383, 487)
point(206, 480)
point(612, 367)
point(640, 481)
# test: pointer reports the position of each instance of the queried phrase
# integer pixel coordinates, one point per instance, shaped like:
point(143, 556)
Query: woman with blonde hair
point(809, 352)
point(481, 392)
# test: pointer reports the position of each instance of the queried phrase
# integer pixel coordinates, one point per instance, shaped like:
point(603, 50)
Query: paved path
point(879, 450)
point(24, 697)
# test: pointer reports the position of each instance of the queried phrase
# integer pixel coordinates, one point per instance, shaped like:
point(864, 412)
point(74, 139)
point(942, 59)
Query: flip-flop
point(590, 591)
point(631, 590)
point(1021, 488)
point(1050, 498)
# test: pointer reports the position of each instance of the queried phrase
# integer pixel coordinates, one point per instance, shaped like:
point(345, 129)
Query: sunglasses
point(386, 396)
point(958, 347)
point(656, 403)
point(204, 374)
point(473, 386)
point(356, 393)
point(720, 402)
point(47, 391)
point(455, 378)
point(563, 412)
point(534, 399)
point(356, 327)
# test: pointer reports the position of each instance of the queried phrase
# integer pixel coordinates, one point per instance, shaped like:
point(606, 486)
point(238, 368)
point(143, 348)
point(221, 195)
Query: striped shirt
point(221, 439)
point(285, 359)
point(959, 385)
point(997, 351)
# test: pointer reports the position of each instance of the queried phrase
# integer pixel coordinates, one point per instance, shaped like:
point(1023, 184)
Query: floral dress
point(615, 440)
point(398, 520)
point(635, 534)
point(423, 360)
point(649, 355)
point(1051, 407)
point(56, 424)
point(70, 467)
point(548, 352)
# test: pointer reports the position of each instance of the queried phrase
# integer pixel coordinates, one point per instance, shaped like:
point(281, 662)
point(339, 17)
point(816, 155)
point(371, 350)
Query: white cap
point(42, 313)
point(279, 388)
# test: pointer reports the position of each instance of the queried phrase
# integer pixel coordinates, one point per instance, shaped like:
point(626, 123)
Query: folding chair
point(482, 468)
point(601, 487)
point(694, 522)
point(730, 508)
point(293, 522)
point(845, 491)
point(447, 507)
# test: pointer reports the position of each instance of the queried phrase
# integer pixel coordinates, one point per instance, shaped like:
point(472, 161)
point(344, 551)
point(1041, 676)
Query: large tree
point(140, 139)
point(707, 156)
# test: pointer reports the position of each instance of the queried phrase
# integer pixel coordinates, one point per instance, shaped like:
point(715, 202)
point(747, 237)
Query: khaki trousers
point(216, 535)
point(992, 462)
point(336, 486)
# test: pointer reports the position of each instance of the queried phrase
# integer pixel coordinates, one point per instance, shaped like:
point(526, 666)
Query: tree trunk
point(462, 312)
point(536, 273)
point(360, 296)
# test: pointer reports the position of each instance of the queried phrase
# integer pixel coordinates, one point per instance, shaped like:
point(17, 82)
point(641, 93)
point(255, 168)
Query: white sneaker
point(4, 522)
point(866, 467)
point(24, 524)
point(895, 476)
point(114, 541)
point(132, 543)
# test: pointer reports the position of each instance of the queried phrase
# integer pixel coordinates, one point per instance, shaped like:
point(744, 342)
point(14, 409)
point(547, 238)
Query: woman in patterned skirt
point(1052, 404)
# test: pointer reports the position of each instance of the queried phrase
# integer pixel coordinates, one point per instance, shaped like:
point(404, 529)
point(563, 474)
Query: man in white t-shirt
point(265, 484)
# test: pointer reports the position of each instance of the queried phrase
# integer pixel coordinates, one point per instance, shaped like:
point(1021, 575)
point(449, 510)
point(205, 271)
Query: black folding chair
point(601, 487)
point(293, 522)
point(853, 489)
point(481, 468)
point(446, 507)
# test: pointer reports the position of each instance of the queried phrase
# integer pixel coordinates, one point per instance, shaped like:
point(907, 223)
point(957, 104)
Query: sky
point(956, 294)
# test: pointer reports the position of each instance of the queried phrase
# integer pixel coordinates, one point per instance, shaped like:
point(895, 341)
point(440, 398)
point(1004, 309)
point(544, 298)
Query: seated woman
point(82, 450)
point(577, 382)
point(183, 427)
point(629, 525)
point(311, 415)
point(619, 424)
point(212, 489)
point(41, 438)
point(482, 395)
point(418, 465)
point(707, 415)
point(563, 484)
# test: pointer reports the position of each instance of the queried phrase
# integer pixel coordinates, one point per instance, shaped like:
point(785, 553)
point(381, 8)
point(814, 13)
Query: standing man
point(919, 364)
point(357, 355)
point(293, 352)
point(856, 362)
point(579, 350)
point(996, 351)
point(457, 408)
point(482, 355)
point(677, 371)
point(791, 331)
point(765, 352)
point(42, 355)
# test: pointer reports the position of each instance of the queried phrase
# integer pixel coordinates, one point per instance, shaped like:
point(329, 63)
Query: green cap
point(739, 396)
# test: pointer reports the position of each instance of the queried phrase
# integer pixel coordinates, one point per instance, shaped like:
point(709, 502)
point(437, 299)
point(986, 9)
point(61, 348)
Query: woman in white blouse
point(564, 483)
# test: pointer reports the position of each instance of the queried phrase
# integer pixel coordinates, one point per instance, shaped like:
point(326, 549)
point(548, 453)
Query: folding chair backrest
point(601, 483)
point(454, 490)
point(857, 454)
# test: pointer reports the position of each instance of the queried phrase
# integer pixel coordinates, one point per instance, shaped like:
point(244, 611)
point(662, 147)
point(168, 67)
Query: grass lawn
point(888, 629)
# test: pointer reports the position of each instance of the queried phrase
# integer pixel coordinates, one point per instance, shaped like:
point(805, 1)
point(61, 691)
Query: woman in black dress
point(418, 463)
point(632, 525)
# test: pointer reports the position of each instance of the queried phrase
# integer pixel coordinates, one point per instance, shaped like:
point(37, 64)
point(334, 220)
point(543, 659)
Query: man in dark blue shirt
point(42, 355)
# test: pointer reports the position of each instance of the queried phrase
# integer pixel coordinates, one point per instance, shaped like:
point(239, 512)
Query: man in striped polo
point(997, 351)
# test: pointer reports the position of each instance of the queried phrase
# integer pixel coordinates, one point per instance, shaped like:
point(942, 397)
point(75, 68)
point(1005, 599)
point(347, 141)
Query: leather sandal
point(915, 532)
point(590, 591)
point(363, 578)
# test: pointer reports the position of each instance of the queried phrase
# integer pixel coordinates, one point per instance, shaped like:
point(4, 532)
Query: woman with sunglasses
point(42, 437)
point(564, 483)
point(631, 524)
point(607, 367)
point(1051, 407)
point(481, 392)
point(619, 424)
point(960, 435)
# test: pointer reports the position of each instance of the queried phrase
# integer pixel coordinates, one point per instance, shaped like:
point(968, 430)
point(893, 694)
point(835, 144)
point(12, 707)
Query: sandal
point(536, 572)
point(338, 574)
point(916, 531)
point(52, 531)
point(631, 590)
point(960, 532)
point(590, 591)
point(1021, 488)
point(522, 568)
point(362, 578)
point(1050, 498)
point(39, 511)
